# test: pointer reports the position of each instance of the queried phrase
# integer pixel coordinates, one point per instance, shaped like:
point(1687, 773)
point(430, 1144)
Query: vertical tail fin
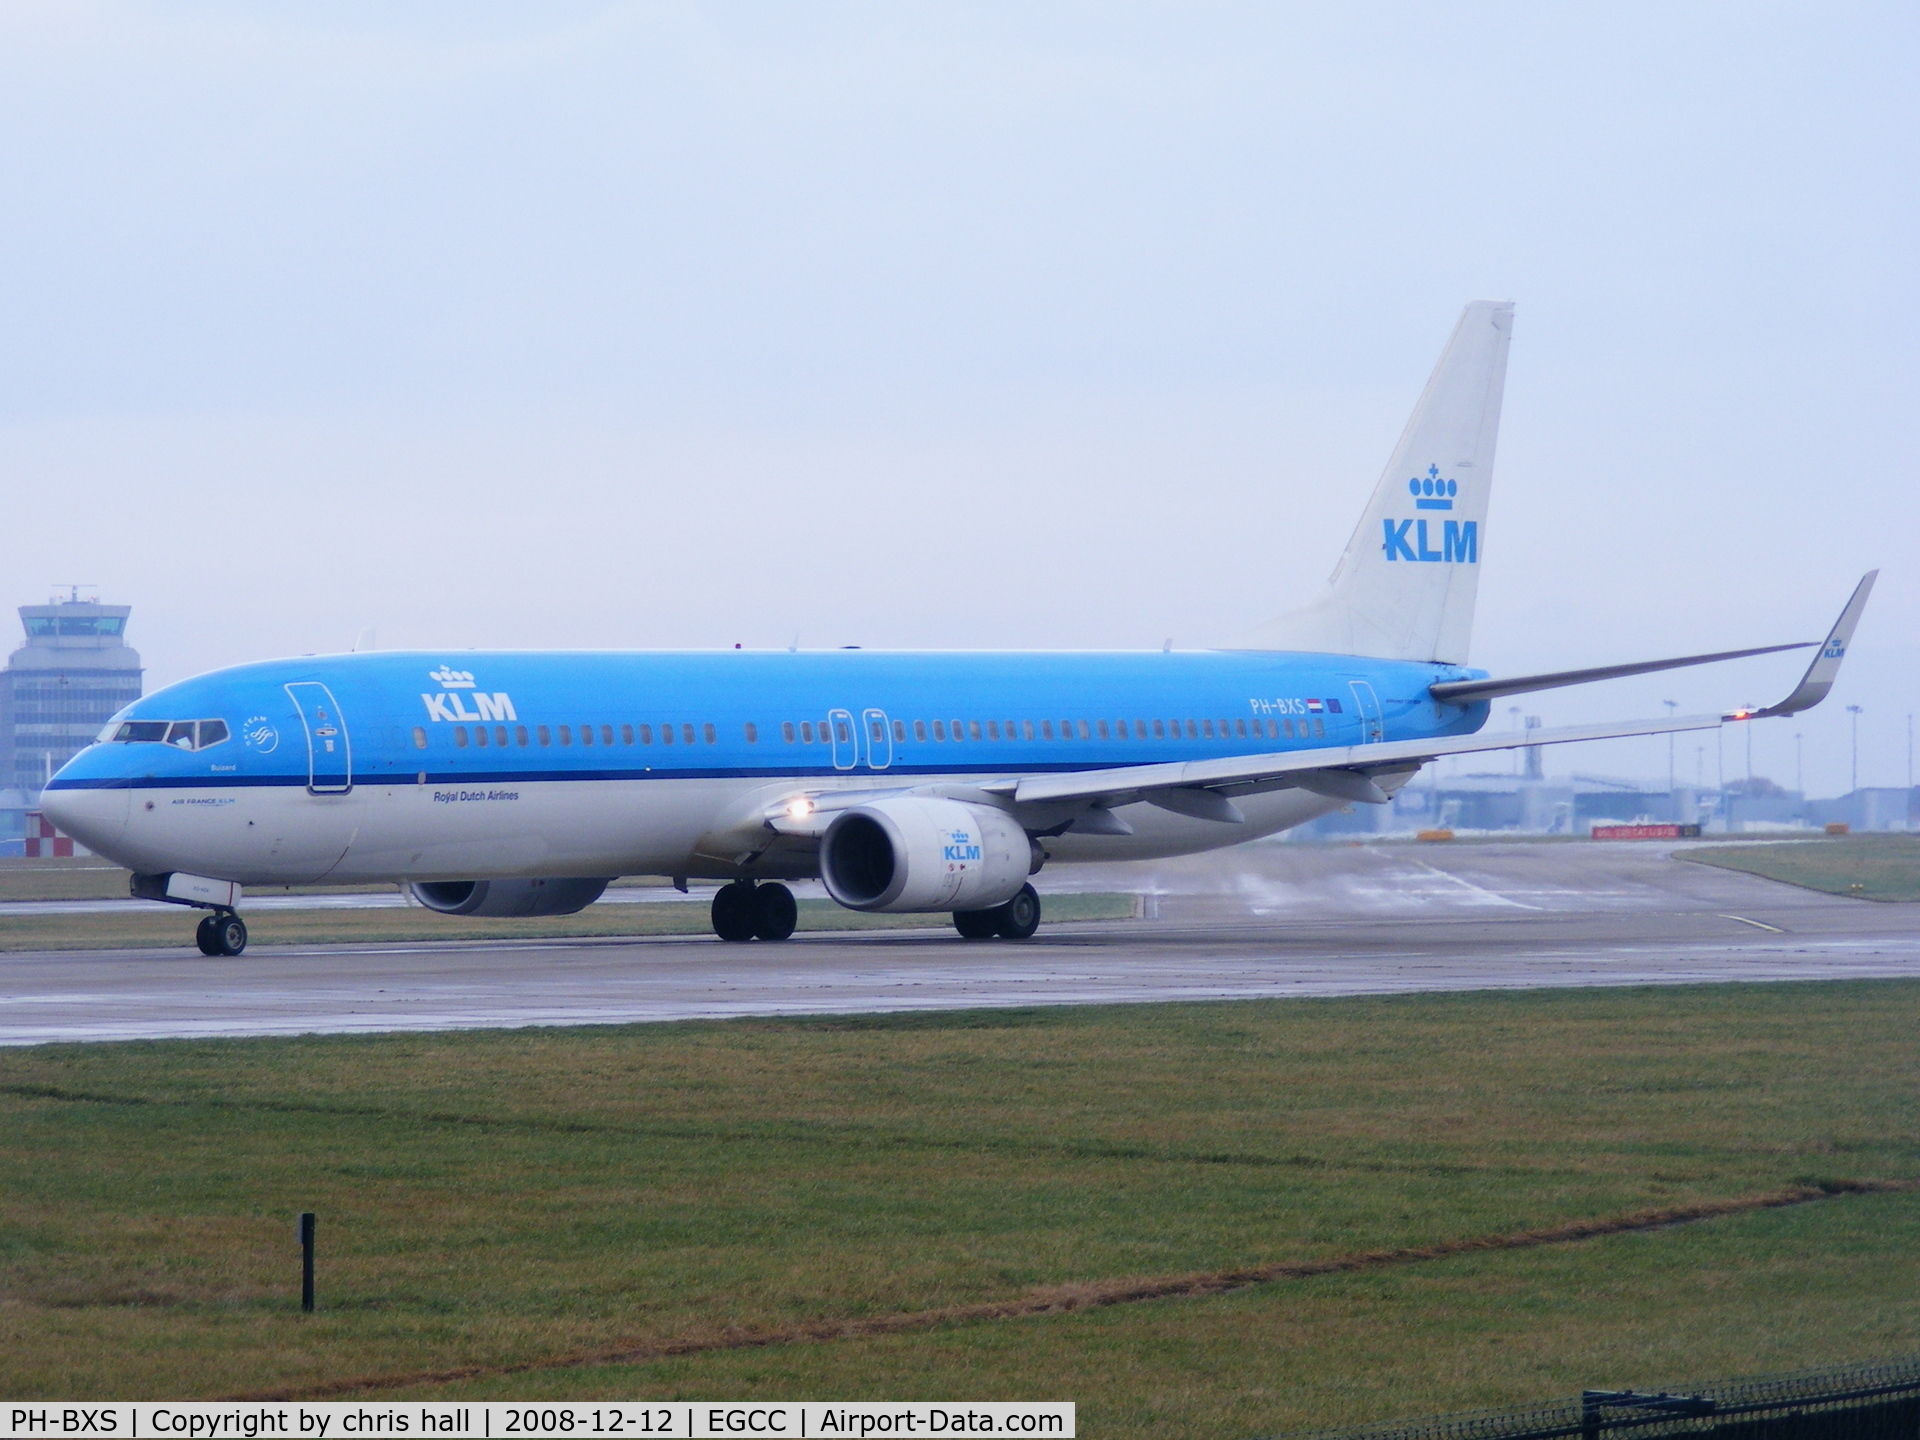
point(1406, 586)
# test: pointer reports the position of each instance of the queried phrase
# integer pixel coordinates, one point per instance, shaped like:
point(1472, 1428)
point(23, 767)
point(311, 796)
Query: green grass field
point(514, 1204)
point(1866, 867)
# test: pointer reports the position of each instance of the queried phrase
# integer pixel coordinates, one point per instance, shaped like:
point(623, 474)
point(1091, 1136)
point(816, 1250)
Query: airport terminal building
point(74, 671)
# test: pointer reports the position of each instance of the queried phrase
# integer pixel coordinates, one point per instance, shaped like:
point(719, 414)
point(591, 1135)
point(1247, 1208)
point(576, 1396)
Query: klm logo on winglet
point(1412, 540)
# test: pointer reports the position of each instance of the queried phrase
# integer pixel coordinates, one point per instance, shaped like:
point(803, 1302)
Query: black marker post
point(306, 1261)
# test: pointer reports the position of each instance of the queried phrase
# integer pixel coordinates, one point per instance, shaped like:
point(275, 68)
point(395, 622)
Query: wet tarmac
point(1262, 920)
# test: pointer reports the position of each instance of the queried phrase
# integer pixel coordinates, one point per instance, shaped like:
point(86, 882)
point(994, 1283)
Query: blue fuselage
point(473, 736)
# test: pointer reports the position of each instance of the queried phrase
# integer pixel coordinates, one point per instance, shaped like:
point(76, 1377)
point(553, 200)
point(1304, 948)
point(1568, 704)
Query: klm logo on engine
point(1413, 540)
point(451, 704)
point(960, 846)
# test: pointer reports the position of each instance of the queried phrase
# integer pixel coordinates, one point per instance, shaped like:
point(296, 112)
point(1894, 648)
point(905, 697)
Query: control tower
point(60, 687)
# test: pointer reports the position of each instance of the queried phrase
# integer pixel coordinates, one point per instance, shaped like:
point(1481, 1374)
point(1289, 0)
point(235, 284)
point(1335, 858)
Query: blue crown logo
point(1431, 492)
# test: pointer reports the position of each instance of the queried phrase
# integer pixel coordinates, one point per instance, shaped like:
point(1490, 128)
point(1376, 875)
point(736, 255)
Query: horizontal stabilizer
point(1466, 692)
point(1825, 669)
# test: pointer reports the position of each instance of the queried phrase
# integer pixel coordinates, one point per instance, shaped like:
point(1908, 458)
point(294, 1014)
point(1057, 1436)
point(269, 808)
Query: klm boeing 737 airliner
point(508, 783)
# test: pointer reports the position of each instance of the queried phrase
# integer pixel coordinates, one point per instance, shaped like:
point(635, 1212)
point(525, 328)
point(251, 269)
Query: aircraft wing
point(1345, 772)
point(1205, 789)
point(1465, 692)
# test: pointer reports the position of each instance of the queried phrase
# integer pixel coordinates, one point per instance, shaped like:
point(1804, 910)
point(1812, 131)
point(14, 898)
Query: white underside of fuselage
point(706, 828)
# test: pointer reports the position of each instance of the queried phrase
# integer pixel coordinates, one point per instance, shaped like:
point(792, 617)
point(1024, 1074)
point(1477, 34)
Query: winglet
point(1825, 669)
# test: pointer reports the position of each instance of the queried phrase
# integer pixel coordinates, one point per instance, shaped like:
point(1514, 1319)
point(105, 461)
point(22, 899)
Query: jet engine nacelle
point(507, 897)
point(924, 854)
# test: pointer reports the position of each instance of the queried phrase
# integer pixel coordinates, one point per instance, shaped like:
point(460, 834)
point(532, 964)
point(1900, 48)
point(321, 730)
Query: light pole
point(1799, 773)
point(1673, 705)
point(1513, 714)
point(1854, 711)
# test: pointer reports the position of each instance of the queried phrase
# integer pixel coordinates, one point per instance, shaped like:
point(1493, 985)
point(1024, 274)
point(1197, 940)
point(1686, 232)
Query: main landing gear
point(746, 911)
point(221, 933)
point(1015, 920)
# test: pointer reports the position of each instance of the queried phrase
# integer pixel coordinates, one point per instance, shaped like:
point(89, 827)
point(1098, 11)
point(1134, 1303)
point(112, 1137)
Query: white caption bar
point(337, 1419)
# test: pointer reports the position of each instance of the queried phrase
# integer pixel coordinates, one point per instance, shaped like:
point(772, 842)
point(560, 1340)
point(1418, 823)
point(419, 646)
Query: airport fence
point(1877, 1401)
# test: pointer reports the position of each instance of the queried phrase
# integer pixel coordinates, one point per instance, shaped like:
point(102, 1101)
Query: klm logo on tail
point(1411, 540)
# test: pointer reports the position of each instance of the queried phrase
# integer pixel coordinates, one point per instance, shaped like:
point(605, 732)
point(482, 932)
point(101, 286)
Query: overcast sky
point(963, 325)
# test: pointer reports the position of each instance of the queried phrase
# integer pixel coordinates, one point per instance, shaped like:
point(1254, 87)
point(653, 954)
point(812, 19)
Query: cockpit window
point(184, 734)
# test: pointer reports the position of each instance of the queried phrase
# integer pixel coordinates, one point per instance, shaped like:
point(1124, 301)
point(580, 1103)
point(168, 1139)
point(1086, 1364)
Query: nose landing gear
point(221, 933)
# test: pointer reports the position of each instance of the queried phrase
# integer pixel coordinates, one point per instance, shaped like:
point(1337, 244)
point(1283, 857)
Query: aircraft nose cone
point(96, 818)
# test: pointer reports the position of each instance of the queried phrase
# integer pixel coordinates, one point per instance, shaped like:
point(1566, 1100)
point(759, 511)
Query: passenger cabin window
point(1046, 729)
point(786, 731)
point(806, 731)
point(993, 729)
point(546, 736)
point(566, 735)
point(920, 730)
point(460, 736)
point(480, 735)
point(973, 730)
point(420, 737)
point(606, 734)
point(586, 734)
point(711, 734)
point(939, 729)
point(500, 735)
point(841, 733)
point(519, 736)
point(646, 734)
point(1086, 733)
point(686, 734)
point(666, 734)
point(752, 734)
point(900, 730)
point(1026, 729)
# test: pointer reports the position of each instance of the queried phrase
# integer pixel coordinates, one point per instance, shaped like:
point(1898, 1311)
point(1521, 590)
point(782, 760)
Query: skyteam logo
point(451, 705)
point(961, 846)
point(1411, 540)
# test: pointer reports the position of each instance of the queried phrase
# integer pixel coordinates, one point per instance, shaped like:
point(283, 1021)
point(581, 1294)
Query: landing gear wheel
point(733, 911)
point(977, 924)
point(203, 936)
point(1020, 916)
point(229, 932)
point(774, 912)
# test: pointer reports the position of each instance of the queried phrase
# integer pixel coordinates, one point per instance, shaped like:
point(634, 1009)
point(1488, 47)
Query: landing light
point(800, 809)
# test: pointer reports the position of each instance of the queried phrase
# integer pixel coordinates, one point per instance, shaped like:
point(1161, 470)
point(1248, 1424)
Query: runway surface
point(1262, 920)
